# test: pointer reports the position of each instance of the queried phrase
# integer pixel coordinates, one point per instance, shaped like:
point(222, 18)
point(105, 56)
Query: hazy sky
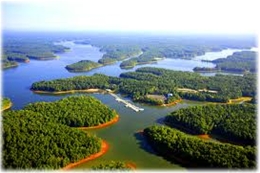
point(199, 16)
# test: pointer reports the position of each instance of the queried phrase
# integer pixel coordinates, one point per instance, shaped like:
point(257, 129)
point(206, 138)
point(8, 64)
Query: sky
point(185, 16)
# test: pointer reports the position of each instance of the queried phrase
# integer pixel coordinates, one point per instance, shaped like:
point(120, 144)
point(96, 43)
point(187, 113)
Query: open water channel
point(125, 144)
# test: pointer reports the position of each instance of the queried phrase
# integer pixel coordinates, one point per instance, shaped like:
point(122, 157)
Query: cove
point(122, 137)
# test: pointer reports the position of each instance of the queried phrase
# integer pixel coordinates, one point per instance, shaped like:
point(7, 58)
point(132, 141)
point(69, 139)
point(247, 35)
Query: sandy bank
point(114, 120)
point(204, 136)
point(92, 90)
point(7, 107)
point(104, 149)
point(172, 103)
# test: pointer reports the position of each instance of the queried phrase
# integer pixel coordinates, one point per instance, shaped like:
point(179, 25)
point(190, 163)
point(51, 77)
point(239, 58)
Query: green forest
point(33, 141)
point(111, 166)
point(83, 65)
point(235, 123)
point(241, 62)
point(151, 48)
point(117, 53)
point(6, 103)
point(194, 152)
point(80, 111)
point(158, 81)
point(22, 49)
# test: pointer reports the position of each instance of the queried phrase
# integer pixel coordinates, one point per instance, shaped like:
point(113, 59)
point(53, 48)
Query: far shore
point(91, 90)
point(104, 149)
point(114, 120)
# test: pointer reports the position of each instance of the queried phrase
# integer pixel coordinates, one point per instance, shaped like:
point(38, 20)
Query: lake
point(125, 144)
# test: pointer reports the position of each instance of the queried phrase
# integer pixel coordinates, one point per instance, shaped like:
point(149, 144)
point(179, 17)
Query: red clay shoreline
point(104, 149)
point(204, 136)
point(172, 103)
point(7, 107)
point(114, 120)
point(91, 90)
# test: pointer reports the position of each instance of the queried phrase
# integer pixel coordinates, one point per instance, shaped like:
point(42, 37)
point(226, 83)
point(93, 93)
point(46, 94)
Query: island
point(158, 86)
point(239, 62)
point(43, 124)
point(83, 65)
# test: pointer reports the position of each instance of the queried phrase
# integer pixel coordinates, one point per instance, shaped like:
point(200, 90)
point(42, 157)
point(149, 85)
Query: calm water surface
point(125, 144)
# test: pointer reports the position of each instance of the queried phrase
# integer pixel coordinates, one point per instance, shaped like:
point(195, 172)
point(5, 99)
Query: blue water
point(124, 145)
point(17, 81)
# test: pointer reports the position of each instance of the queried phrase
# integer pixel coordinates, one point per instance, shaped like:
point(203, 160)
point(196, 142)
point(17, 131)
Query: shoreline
point(131, 165)
point(91, 90)
point(172, 103)
point(104, 149)
point(7, 107)
point(204, 136)
point(114, 120)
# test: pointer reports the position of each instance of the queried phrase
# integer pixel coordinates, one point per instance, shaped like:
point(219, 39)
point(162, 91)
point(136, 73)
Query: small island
point(83, 65)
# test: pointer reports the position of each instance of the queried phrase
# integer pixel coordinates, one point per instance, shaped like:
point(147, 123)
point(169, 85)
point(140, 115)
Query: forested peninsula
point(235, 123)
point(40, 136)
point(34, 142)
point(151, 48)
point(159, 86)
point(81, 111)
point(6, 103)
point(194, 152)
point(239, 62)
point(23, 48)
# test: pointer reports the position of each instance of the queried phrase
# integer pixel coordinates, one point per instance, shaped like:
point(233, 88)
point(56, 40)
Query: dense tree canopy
point(6, 103)
point(160, 81)
point(232, 122)
point(33, 141)
point(83, 65)
point(111, 166)
point(194, 152)
point(148, 48)
point(25, 47)
point(80, 111)
point(244, 61)
point(116, 52)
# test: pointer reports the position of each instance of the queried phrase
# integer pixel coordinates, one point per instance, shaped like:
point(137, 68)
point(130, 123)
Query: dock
point(127, 104)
